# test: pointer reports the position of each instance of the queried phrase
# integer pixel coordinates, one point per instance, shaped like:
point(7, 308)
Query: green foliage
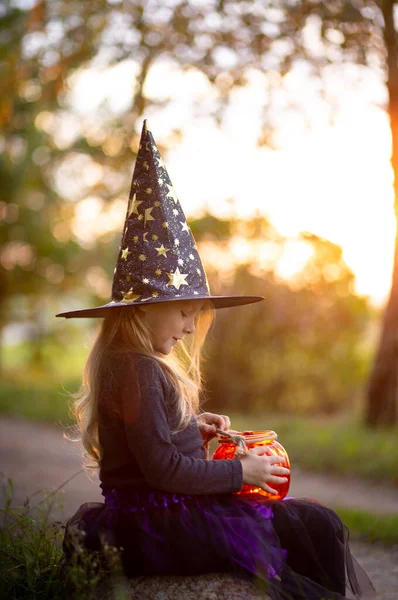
point(88, 574)
point(32, 565)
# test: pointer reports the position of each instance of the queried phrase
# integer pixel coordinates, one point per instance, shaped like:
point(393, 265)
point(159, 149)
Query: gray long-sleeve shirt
point(137, 412)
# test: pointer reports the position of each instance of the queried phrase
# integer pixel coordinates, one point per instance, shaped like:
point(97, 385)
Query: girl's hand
point(208, 422)
point(262, 470)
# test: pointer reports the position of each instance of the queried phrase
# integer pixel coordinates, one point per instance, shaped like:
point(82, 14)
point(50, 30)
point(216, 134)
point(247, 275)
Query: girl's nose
point(189, 327)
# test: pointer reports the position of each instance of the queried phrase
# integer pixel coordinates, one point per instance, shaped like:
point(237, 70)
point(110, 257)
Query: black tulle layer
point(299, 547)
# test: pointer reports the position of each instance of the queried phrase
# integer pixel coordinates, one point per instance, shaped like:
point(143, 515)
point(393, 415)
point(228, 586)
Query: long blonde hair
point(123, 329)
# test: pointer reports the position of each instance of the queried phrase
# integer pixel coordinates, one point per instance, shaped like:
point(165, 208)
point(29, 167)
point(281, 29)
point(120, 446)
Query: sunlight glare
point(333, 180)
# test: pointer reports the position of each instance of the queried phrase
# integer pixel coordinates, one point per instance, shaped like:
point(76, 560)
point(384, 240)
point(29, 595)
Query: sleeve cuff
point(237, 475)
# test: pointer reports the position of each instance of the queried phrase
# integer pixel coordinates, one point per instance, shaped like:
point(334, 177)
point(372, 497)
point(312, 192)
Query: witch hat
point(158, 258)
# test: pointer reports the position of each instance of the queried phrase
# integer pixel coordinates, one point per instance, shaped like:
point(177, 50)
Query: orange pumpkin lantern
point(253, 439)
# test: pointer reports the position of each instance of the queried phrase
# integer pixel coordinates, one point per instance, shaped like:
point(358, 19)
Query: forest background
point(310, 354)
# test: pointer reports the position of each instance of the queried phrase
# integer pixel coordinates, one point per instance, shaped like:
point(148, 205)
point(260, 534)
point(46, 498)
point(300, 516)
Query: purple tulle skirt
point(298, 547)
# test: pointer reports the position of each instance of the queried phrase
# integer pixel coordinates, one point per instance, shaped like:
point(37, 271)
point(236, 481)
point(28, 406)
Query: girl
point(168, 507)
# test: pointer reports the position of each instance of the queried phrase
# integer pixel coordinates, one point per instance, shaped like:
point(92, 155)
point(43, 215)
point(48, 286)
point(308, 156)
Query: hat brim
point(217, 301)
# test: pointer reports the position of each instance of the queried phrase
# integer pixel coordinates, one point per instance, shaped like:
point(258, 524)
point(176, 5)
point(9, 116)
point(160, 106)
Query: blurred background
point(277, 121)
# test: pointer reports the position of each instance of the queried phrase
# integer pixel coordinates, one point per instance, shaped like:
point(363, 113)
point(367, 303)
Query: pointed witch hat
point(158, 258)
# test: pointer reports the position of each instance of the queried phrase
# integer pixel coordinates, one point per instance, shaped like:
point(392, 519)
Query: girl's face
point(170, 321)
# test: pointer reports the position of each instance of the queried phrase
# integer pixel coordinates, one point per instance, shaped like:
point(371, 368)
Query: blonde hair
point(123, 329)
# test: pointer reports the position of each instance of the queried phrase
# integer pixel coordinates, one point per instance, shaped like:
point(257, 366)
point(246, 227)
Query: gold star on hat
point(125, 253)
point(133, 206)
point(148, 216)
point(177, 279)
point(162, 251)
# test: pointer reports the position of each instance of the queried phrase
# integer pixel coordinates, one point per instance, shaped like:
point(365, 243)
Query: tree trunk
point(382, 405)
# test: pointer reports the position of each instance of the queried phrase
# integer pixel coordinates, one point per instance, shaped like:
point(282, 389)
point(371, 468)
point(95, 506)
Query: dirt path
point(38, 457)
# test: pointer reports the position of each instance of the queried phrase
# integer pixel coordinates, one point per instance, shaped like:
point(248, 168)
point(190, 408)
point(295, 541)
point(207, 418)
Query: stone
point(212, 586)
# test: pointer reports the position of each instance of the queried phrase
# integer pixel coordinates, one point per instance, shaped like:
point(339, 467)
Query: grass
point(37, 399)
point(368, 527)
point(31, 552)
point(41, 392)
